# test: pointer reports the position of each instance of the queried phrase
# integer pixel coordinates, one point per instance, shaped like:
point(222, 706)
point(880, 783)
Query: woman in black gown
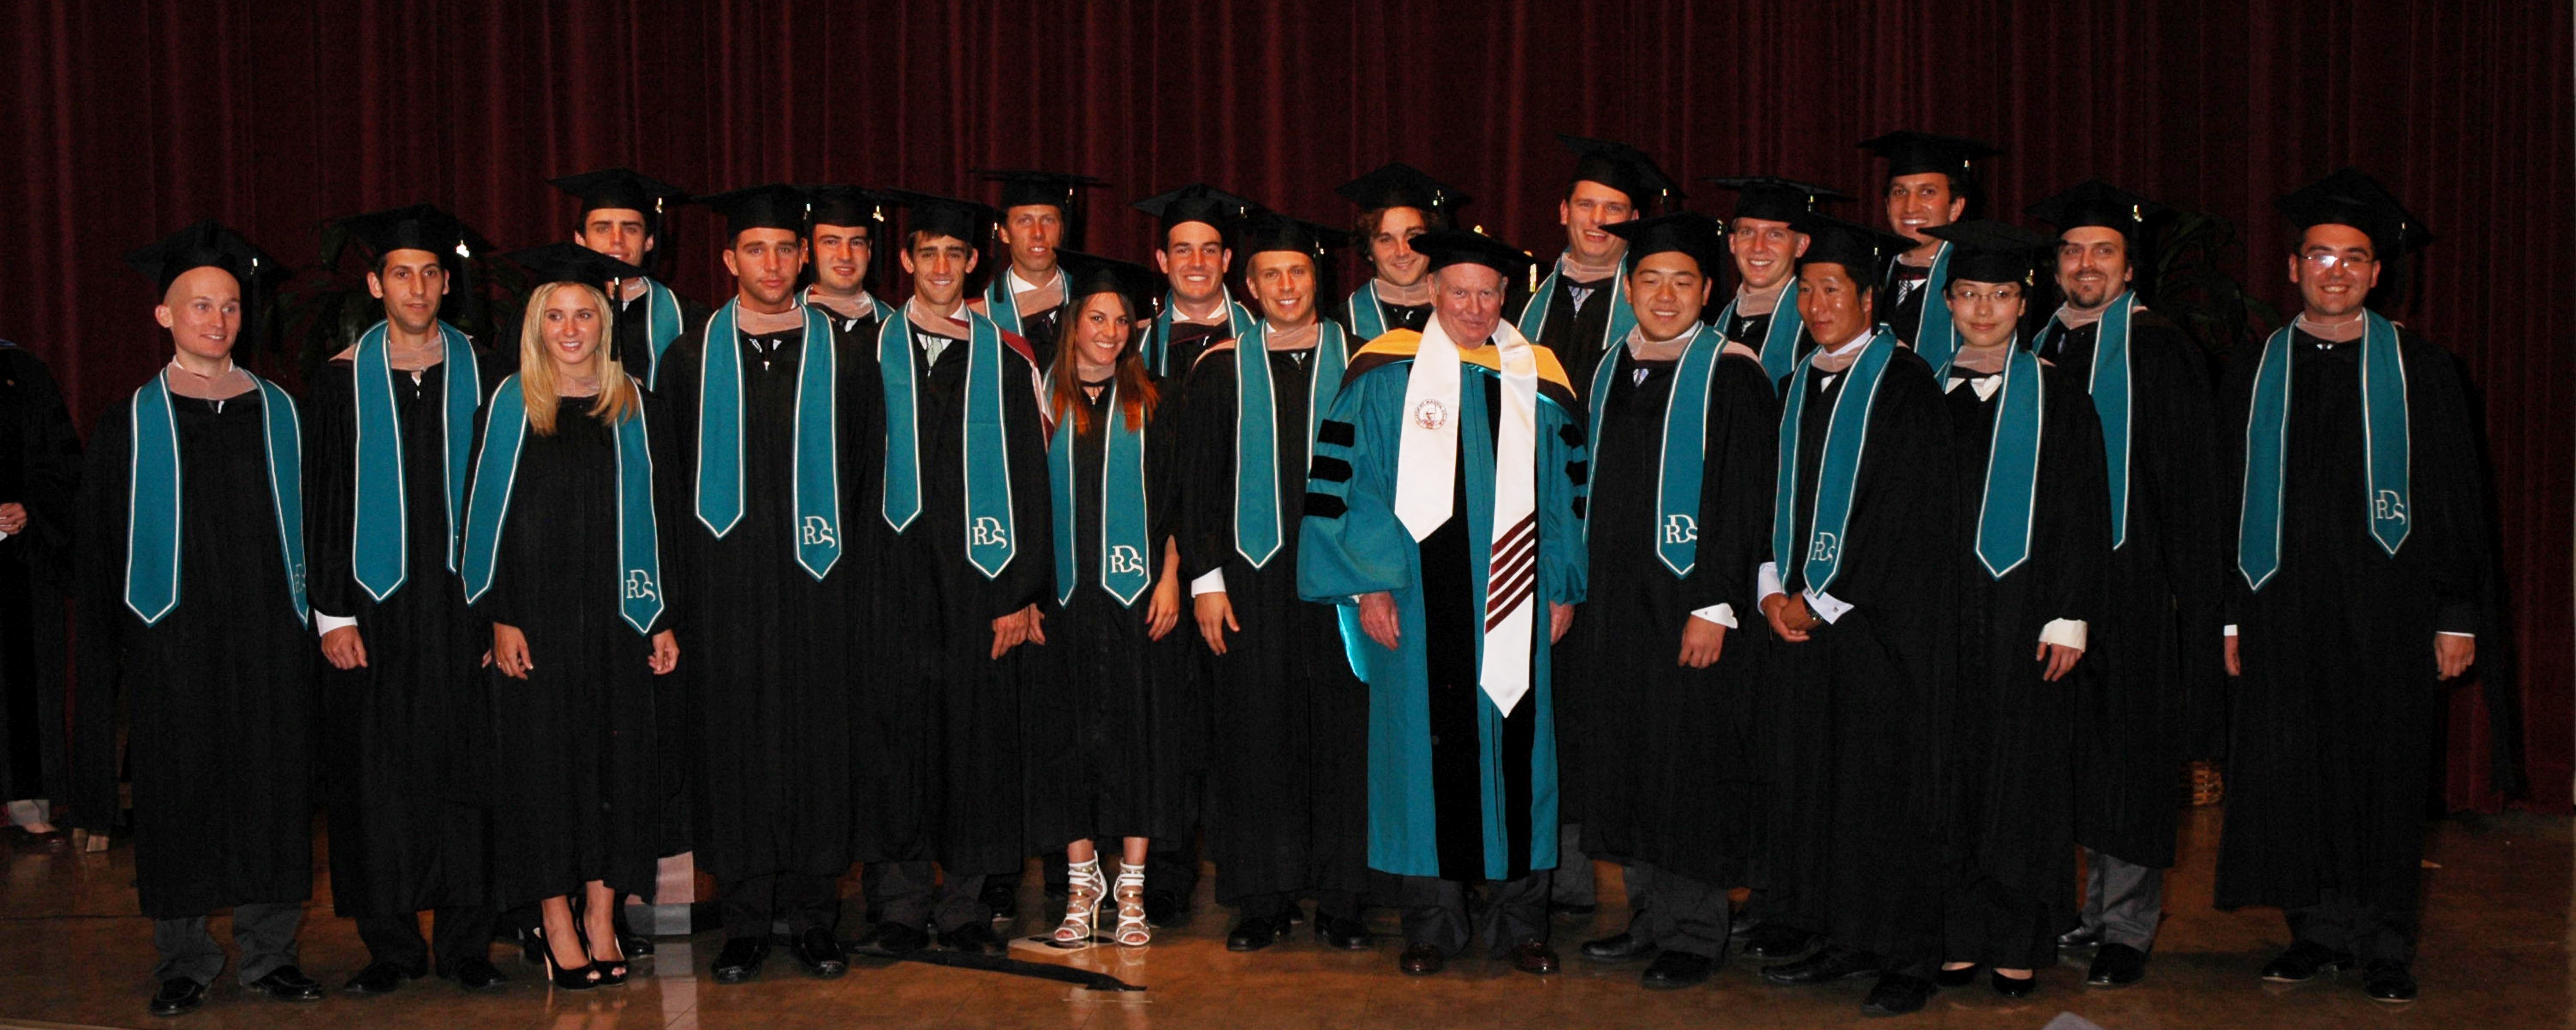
point(1107, 716)
point(567, 570)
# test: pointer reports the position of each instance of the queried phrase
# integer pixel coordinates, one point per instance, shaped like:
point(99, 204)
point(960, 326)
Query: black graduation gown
point(1900, 298)
point(628, 343)
point(1753, 330)
point(970, 758)
point(1112, 738)
point(1288, 755)
point(40, 468)
point(404, 782)
point(1658, 759)
point(1855, 712)
point(220, 694)
point(2336, 721)
point(1575, 335)
point(1403, 316)
point(2150, 692)
point(2011, 731)
point(771, 660)
point(580, 778)
point(1188, 340)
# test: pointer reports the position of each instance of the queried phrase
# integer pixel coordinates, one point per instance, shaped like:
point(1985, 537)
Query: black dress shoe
point(1897, 994)
point(1421, 960)
point(973, 939)
point(478, 974)
point(1826, 966)
point(634, 945)
point(897, 939)
point(1257, 932)
point(2389, 982)
point(2305, 961)
point(1002, 895)
point(378, 978)
point(1674, 970)
point(1954, 977)
point(2116, 965)
point(2081, 937)
point(741, 958)
point(178, 996)
point(1342, 933)
point(1167, 909)
point(2011, 988)
point(287, 983)
point(1618, 947)
point(1774, 941)
point(1534, 958)
point(820, 953)
point(1741, 923)
point(532, 947)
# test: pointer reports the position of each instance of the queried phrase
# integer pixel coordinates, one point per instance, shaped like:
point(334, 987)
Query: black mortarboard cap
point(1087, 274)
point(573, 263)
point(620, 188)
point(1397, 184)
point(1446, 247)
point(1773, 199)
point(207, 243)
point(845, 206)
point(934, 215)
point(1687, 232)
point(1860, 249)
point(417, 227)
point(1270, 230)
point(2097, 203)
point(1910, 153)
point(2349, 197)
point(772, 206)
point(1024, 188)
point(1197, 202)
point(1988, 251)
point(1621, 167)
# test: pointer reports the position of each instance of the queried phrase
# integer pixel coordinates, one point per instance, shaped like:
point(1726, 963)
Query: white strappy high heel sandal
point(1084, 888)
point(1132, 930)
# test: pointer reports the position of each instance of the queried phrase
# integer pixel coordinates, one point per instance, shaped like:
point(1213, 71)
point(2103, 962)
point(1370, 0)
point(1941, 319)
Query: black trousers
point(912, 894)
point(1436, 913)
point(1675, 912)
point(754, 905)
point(457, 933)
point(265, 932)
point(2346, 923)
point(1329, 904)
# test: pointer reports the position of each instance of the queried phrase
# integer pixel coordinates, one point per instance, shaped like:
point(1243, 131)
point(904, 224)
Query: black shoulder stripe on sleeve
point(1324, 506)
point(1337, 433)
point(1571, 432)
point(1578, 472)
point(1331, 469)
point(1577, 505)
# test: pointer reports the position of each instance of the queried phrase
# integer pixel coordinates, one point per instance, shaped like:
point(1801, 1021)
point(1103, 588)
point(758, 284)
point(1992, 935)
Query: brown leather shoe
point(1534, 958)
point(1421, 960)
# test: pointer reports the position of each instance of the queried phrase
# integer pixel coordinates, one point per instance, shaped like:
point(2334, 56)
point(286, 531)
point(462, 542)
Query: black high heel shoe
point(612, 971)
point(577, 978)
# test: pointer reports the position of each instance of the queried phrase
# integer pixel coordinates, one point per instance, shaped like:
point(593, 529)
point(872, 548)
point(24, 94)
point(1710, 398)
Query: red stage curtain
point(125, 120)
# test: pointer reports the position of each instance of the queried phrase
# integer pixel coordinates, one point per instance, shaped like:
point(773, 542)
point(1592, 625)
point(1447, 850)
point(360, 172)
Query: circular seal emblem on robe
point(1430, 414)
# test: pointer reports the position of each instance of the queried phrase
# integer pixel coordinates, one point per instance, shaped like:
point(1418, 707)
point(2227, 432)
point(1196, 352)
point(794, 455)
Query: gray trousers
point(1571, 883)
point(264, 932)
point(1675, 912)
point(2123, 900)
point(1435, 913)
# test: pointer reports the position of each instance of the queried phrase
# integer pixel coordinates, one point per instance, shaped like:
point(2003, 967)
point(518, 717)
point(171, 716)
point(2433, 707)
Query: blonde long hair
point(618, 400)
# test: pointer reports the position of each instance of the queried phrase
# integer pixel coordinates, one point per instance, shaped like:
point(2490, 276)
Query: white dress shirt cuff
point(324, 624)
point(2230, 629)
point(1767, 580)
point(2454, 633)
point(1212, 583)
point(1721, 614)
point(2065, 632)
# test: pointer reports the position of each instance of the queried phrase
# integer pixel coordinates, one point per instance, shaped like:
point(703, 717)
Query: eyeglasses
point(2325, 260)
